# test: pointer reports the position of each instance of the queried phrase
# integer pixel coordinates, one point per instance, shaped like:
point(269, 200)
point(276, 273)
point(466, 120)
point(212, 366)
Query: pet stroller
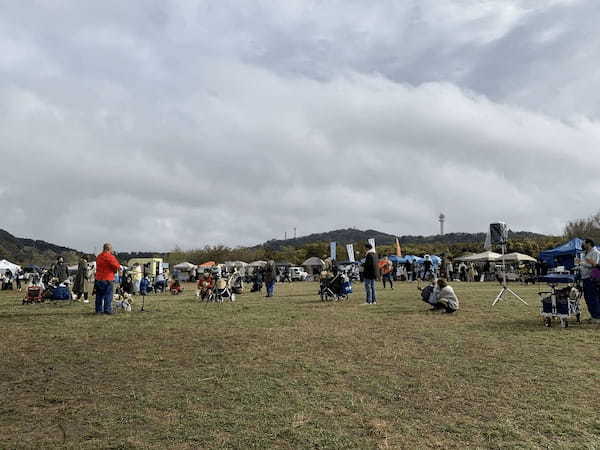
point(257, 283)
point(206, 289)
point(223, 290)
point(561, 303)
point(334, 287)
point(175, 288)
point(237, 284)
point(34, 295)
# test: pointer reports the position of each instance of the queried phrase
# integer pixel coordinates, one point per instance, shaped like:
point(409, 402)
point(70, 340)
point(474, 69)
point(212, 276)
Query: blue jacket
point(144, 284)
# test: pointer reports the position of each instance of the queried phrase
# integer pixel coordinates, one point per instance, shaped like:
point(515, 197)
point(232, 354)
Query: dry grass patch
point(293, 372)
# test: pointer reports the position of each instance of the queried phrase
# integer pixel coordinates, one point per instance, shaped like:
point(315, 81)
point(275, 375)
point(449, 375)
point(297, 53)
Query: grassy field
point(293, 372)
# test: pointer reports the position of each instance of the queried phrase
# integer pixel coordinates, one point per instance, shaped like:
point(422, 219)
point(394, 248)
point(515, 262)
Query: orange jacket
point(385, 265)
point(106, 266)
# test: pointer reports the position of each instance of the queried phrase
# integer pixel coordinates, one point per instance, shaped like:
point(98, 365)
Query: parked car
point(297, 274)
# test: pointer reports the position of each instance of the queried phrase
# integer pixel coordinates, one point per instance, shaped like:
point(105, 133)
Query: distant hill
point(352, 235)
point(29, 251)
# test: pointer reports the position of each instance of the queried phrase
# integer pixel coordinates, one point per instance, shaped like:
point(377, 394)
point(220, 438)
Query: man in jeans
point(371, 274)
point(106, 267)
point(589, 260)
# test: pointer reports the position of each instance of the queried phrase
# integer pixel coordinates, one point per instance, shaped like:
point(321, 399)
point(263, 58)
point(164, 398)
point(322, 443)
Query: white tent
point(480, 257)
point(258, 264)
point(314, 261)
point(517, 257)
point(7, 265)
point(185, 266)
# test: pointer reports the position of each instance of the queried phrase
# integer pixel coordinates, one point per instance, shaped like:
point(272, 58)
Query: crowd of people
point(107, 276)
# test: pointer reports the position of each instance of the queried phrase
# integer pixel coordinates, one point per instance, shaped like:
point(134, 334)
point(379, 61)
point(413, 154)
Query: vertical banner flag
point(372, 242)
point(333, 250)
point(487, 245)
point(350, 250)
point(398, 249)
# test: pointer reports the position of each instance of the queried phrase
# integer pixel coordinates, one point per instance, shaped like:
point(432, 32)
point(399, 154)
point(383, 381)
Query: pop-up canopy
point(184, 266)
point(480, 257)
point(563, 255)
point(7, 265)
point(517, 257)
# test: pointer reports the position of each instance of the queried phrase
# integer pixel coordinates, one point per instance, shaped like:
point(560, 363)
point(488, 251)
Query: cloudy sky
point(159, 123)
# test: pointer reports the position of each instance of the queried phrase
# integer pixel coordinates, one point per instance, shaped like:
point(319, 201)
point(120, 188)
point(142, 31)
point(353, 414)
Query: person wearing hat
point(61, 271)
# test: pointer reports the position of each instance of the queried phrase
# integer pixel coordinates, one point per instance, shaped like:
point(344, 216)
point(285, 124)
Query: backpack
point(426, 293)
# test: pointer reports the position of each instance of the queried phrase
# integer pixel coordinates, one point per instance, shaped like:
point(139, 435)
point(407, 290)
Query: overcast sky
point(159, 123)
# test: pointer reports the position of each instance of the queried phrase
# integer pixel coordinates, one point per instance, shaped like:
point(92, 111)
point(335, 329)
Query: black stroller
point(257, 283)
point(334, 286)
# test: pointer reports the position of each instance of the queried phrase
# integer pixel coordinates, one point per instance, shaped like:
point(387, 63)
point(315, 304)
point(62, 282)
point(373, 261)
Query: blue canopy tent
point(436, 260)
point(563, 255)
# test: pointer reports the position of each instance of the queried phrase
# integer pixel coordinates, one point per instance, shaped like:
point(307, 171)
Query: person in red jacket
point(106, 267)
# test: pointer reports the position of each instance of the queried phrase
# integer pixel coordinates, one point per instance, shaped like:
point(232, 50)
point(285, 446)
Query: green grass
point(293, 372)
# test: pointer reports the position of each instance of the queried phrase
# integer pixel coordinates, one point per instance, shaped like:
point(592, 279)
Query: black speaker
point(498, 233)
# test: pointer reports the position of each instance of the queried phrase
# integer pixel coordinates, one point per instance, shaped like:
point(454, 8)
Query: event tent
point(32, 268)
point(517, 257)
point(479, 257)
point(235, 264)
point(258, 264)
point(436, 260)
point(208, 264)
point(7, 265)
point(185, 266)
point(313, 265)
point(563, 255)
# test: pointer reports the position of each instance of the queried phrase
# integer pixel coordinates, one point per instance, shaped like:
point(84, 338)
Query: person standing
point(18, 278)
point(270, 276)
point(137, 277)
point(449, 269)
point(589, 260)
point(371, 274)
point(61, 271)
point(106, 267)
point(471, 273)
point(80, 279)
point(386, 271)
point(409, 270)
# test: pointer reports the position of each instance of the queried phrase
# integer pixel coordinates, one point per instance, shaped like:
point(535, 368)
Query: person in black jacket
point(371, 274)
point(61, 271)
point(270, 277)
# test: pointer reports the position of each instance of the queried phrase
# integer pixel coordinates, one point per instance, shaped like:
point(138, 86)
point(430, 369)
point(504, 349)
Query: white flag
point(333, 250)
point(372, 242)
point(488, 241)
point(350, 250)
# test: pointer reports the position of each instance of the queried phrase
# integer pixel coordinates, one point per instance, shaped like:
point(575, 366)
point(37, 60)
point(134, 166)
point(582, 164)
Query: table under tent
point(184, 271)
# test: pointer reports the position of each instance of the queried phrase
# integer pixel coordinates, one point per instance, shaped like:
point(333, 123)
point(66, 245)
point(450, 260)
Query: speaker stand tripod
point(505, 288)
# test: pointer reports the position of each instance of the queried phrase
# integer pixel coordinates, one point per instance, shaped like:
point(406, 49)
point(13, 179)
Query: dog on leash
point(123, 302)
point(122, 305)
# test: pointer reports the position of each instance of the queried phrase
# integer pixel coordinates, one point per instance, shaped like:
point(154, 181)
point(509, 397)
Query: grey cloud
point(193, 123)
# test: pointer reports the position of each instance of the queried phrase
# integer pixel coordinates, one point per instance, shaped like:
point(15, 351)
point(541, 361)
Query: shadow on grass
point(48, 312)
point(533, 325)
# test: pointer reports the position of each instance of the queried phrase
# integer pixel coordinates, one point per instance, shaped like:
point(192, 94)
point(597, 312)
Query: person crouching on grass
point(443, 297)
point(106, 267)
